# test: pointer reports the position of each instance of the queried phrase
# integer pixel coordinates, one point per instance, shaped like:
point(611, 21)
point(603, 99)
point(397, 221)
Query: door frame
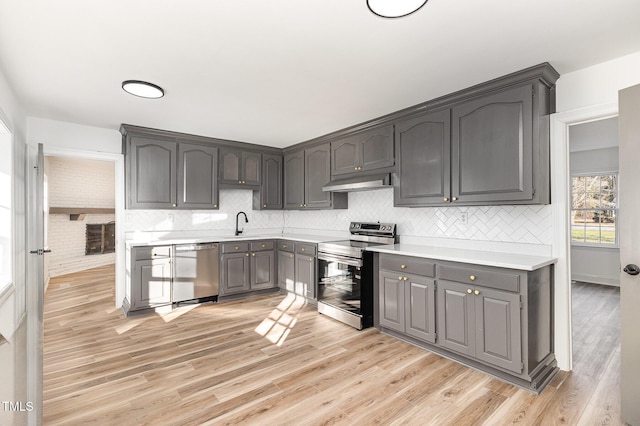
point(118, 160)
point(560, 211)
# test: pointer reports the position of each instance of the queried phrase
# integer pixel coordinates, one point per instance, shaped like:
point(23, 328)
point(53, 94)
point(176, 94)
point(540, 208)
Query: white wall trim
point(560, 203)
point(118, 159)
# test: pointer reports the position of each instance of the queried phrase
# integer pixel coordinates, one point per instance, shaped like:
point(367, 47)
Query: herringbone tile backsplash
point(513, 224)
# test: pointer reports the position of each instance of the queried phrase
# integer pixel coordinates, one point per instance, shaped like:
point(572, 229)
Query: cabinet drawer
point(308, 249)
point(154, 252)
point(262, 245)
point(472, 276)
point(285, 245)
point(407, 265)
point(235, 247)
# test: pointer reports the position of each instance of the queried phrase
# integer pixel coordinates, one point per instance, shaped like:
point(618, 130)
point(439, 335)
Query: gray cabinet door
point(197, 176)
point(392, 301)
point(235, 273)
point(423, 160)
point(376, 148)
point(498, 332)
point(151, 283)
point(420, 308)
point(365, 151)
point(240, 167)
point(305, 271)
point(294, 180)
point(251, 168)
point(230, 161)
point(263, 269)
point(456, 320)
point(270, 194)
point(152, 173)
point(286, 271)
point(317, 175)
point(492, 147)
point(345, 156)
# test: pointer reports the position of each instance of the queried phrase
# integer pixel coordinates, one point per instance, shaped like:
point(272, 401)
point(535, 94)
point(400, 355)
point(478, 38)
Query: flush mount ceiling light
point(395, 8)
point(143, 89)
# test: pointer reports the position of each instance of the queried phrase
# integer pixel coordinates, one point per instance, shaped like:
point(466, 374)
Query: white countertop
point(307, 238)
point(488, 258)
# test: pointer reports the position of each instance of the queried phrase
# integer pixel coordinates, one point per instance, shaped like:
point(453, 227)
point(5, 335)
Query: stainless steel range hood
point(359, 183)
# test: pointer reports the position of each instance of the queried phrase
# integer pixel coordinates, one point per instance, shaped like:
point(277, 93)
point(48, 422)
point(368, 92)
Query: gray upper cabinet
point(152, 173)
point(317, 174)
point(197, 174)
point(163, 173)
point(492, 148)
point(423, 155)
point(305, 173)
point(269, 197)
point(240, 168)
point(486, 145)
point(366, 151)
point(294, 180)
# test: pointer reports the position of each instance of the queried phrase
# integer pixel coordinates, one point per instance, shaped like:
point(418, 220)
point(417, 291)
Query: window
point(594, 209)
point(6, 211)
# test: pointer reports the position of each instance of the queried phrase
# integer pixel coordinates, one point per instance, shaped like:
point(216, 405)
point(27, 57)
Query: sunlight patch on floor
point(279, 323)
point(178, 312)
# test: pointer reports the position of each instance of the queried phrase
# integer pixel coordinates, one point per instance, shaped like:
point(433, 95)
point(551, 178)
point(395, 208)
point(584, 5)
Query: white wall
point(64, 135)
point(72, 183)
point(598, 84)
point(14, 353)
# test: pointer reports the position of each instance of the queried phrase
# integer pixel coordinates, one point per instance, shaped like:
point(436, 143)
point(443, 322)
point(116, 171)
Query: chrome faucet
point(238, 232)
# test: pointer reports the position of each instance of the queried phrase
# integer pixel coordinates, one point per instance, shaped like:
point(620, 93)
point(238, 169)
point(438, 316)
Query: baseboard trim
point(596, 280)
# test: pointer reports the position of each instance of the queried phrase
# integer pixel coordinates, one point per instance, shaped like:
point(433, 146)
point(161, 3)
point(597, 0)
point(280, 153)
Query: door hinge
point(533, 91)
point(521, 366)
point(521, 302)
point(533, 192)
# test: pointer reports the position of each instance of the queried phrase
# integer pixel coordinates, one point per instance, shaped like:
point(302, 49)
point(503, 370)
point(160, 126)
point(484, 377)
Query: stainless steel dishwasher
point(196, 272)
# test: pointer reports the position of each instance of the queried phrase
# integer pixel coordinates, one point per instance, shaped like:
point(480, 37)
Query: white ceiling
point(284, 71)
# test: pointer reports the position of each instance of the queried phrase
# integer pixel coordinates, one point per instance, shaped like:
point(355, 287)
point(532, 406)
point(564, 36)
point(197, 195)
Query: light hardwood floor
point(274, 361)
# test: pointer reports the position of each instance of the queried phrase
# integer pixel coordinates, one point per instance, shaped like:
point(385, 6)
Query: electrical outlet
point(170, 217)
point(464, 218)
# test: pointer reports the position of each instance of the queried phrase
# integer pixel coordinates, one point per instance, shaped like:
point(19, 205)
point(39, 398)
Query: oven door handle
point(346, 260)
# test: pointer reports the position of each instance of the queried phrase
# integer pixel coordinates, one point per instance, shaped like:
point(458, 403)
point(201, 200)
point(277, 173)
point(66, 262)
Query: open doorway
point(595, 257)
point(81, 220)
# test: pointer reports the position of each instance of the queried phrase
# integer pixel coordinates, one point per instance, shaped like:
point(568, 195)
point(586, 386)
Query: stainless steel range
point(345, 273)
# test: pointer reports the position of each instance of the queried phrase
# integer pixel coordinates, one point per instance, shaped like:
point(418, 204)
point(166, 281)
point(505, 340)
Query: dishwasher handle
point(196, 247)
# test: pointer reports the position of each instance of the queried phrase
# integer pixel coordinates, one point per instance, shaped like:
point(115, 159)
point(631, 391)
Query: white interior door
point(629, 135)
point(35, 280)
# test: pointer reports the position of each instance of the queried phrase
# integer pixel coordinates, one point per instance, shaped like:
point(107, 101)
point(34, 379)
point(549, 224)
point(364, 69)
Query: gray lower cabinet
point(150, 284)
point(286, 271)
point(247, 266)
point(297, 268)
point(235, 270)
point(263, 265)
point(481, 322)
point(407, 304)
point(305, 276)
point(494, 319)
point(240, 168)
point(269, 197)
point(305, 173)
point(365, 151)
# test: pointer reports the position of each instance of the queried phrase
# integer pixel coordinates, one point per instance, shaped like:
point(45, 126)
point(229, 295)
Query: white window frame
point(571, 209)
point(6, 277)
